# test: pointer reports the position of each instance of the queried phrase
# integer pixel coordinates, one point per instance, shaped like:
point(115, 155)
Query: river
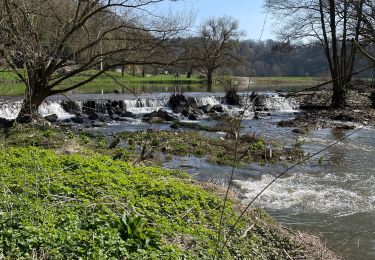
point(332, 195)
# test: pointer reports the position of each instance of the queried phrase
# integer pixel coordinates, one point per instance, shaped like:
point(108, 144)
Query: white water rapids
point(145, 104)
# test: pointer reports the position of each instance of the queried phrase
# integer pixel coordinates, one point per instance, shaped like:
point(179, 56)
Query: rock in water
point(192, 117)
point(51, 118)
point(78, 119)
point(98, 124)
point(5, 123)
point(302, 130)
point(217, 108)
point(159, 116)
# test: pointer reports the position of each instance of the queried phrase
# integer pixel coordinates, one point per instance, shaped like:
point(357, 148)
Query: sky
point(249, 13)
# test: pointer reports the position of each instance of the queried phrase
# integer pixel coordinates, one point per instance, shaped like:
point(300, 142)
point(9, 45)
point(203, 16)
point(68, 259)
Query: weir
point(271, 102)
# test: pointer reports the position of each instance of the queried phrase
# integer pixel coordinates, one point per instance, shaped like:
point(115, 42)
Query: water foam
point(277, 103)
point(49, 108)
point(10, 110)
point(303, 193)
point(210, 100)
point(343, 145)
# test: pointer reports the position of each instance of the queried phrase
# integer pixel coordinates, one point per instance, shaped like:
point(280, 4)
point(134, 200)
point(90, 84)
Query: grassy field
point(106, 83)
point(288, 80)
point(113, 82)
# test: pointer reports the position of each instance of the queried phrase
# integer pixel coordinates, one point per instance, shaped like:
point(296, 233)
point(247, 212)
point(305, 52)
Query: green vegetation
point(148, 146)
point(251, 148)
point(291, 81)
point(108, 83)
point(61, 203)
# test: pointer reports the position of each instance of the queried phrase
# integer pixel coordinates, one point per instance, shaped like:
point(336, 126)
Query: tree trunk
point(36, 92)
point(30, 106)
point(122, 70)
point(338, 88)
point(190, 73)
point(339, 98)
point(209, 81)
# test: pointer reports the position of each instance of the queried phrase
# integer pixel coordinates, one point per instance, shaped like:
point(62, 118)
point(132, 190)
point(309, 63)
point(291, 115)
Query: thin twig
point(328, 82)
point(241, 116)
point(347, 240)
point(289, 257)
point(122, 85)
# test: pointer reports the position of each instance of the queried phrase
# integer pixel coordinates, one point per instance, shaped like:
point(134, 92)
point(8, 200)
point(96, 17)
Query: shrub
point(231, 96)
point(178, 99)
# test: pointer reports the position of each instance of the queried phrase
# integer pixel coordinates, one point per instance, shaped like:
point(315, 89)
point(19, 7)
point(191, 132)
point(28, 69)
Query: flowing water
point(332, 195)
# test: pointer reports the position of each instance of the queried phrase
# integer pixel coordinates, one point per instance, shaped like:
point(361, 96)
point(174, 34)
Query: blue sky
point(249, 13)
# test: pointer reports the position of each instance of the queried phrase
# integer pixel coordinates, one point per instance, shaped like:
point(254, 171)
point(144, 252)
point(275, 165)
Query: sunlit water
point(332, 195)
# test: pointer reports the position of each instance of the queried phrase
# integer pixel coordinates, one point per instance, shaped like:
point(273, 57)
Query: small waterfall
point(145, 105)
point(271, 102)
point(210, 100)
point(10, 109)
point(277, 103)
point(132, 103)
point(94, 105)
point(66, 109)
point(49, 108)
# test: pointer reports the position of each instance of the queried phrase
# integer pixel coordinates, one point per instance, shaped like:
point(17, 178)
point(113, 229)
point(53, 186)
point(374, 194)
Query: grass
point(282, 82)
point(60, 203)
point(11, 85)
point(251, 148)
point(289, 79)
point(168, 143)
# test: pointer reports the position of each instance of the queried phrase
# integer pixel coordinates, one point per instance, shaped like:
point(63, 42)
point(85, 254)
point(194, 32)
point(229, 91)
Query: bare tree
point(46, 36)
point(366, 46)
point(332, 23)
point(215, 45)
point(368, 18)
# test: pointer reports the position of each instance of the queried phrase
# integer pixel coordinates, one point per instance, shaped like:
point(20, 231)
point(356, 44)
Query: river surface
point(332, 195)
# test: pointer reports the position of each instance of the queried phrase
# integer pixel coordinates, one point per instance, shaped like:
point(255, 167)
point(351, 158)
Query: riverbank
point(69, 194)
point(317, 114)
point(109, 82)
point(112, 82)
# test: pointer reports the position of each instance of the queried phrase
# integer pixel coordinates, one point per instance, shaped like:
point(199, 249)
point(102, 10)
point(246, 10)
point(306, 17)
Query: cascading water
point(146, 104)
point(277, 103)
point(210, 100)
point(10, 109)
point(49, 108)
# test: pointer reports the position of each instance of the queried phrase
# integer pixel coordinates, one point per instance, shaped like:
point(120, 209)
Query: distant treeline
point(268, 58)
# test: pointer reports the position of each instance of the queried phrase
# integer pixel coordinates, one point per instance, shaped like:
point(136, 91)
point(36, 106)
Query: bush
point(231, 96)
point(178, 100)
